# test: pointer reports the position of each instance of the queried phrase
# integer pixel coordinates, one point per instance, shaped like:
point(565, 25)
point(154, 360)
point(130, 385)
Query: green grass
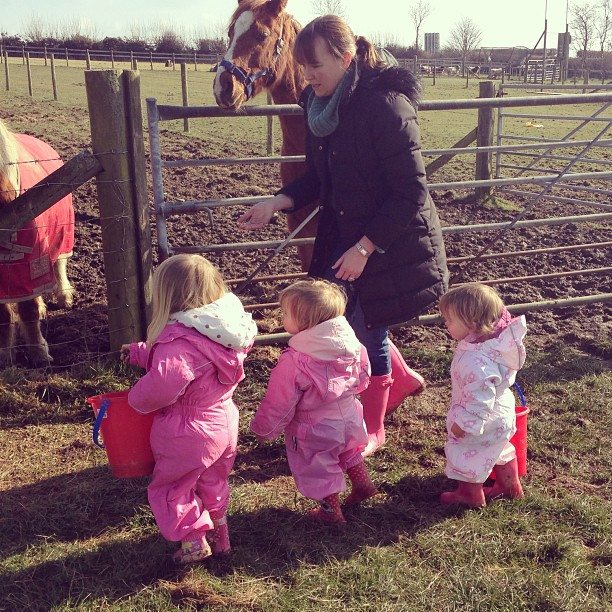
point(74, 537)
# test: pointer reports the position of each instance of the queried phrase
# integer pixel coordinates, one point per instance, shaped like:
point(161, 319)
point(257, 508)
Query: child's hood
point(224, 321)
point(507, 348)
point(329, 354)
point(327, 341)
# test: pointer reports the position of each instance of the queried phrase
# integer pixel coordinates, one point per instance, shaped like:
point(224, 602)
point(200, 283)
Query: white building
point(432, 42)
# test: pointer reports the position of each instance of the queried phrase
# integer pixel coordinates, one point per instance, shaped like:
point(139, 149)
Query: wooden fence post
point(195, 61)
point(138, 168)
point(87, 60)
point(173, 61)
point(53, 79)
point(30, 89)
point(46, 55)
point(6, 71)
point(114, 140)
point(185, 93)
point(66, 48)
point(23, 54)
point(151, 59)
point(112, 59)
point(484, 138)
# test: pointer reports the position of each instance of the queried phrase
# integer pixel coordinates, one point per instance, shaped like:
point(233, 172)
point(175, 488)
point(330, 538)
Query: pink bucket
point(519, 439)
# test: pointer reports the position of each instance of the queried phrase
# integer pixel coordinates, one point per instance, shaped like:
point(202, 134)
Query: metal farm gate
point(522, 183)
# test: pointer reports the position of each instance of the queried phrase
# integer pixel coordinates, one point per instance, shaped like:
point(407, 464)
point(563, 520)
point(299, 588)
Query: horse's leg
point(310, 229)
point(64, 295)
point(293, 143)
point(30, 314)
point(7, 335)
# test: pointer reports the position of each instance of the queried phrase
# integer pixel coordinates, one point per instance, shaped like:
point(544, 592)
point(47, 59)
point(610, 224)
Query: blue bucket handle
point(98, 422)
point(520, 394)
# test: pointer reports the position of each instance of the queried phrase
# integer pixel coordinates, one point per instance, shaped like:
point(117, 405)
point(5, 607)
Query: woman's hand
point(350, 265)
point(457, 431)
point(259, 214)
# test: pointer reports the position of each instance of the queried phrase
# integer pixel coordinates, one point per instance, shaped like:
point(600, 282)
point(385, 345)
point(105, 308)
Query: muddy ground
point(82, 333)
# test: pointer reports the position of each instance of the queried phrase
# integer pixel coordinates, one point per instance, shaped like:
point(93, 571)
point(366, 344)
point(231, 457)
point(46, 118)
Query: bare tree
point(36, 29)
point(419, 12)
point(583, 18)
point(384, 39)
point(465, 37)
point(603, 27)
point(139, 32)
point(328, 7)
point(76, 30)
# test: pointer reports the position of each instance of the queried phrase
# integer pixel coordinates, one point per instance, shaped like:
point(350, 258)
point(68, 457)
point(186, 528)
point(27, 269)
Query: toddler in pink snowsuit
point(482, 416)
point(196, 345)
point(311, 397)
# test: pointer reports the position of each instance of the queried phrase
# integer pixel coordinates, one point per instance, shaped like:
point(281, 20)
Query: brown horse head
point(261, 35)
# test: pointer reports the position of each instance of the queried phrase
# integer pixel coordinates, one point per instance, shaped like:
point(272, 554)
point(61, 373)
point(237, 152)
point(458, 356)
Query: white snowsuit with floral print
point(482, 403)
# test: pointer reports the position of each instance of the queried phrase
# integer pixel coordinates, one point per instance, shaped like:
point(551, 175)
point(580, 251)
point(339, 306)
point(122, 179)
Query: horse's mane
point(9, 156)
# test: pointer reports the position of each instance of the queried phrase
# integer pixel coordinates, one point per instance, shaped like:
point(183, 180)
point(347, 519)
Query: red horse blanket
point(27, 257)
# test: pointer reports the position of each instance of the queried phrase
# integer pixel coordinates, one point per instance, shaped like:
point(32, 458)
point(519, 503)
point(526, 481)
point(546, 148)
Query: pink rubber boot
point(507, 483)
point(406, 382)
point(374, 400)
point(470, 494)
point(362, 487)
point(329, 511)
point(218, 536)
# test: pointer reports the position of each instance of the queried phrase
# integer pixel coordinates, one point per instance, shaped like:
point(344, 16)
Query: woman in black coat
point(379, 234)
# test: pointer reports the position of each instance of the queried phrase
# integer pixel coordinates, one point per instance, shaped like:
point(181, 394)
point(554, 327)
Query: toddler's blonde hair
point(311, 302)
point(180, 283)
point(477, 306)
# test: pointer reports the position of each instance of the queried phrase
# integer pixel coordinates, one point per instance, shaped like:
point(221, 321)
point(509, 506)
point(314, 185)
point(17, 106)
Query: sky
point(503, 24)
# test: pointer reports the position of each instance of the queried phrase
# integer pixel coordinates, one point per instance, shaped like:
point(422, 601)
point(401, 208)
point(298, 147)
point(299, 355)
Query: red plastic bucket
point(519, 439)
point(126, 434)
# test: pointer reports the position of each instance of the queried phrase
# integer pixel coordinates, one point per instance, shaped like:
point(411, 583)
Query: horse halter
point(248, 80)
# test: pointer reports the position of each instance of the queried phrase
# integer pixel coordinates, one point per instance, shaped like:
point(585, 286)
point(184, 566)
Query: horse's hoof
point(64, 299)
point(7, 358)
point(39, 358)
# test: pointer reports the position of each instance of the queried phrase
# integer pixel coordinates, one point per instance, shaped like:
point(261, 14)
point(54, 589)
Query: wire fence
point(70, 334)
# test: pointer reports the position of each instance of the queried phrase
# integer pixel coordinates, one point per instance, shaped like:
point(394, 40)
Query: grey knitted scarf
point(323, 111)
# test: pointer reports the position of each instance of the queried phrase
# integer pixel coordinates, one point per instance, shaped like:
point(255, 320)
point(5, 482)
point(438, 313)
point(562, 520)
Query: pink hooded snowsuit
point(311, 397)
point(193, 369)
point(482, 403)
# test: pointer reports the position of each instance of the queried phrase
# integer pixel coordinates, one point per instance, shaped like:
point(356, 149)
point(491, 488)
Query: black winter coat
point(370, 178)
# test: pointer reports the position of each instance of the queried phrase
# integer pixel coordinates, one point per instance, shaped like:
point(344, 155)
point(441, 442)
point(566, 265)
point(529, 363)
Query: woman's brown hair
point(339, 39)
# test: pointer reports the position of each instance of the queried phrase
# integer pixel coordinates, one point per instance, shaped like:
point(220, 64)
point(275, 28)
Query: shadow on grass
point(261, 463)
point(68, 508)
point(111, 571)
point(276, 541)
point(60, 514)
point(560, 364)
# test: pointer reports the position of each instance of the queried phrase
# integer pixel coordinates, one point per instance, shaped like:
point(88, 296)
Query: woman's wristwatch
point(362, 249)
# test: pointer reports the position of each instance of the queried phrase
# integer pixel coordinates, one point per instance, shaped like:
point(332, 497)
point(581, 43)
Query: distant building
point(432, 42)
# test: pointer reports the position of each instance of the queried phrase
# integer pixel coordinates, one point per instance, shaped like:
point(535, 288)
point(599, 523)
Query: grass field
point(72, 537)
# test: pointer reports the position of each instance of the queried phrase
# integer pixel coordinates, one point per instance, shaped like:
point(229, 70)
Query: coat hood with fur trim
point(393, 79)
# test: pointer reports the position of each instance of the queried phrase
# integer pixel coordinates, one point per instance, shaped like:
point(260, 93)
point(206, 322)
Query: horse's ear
point(276, 7)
